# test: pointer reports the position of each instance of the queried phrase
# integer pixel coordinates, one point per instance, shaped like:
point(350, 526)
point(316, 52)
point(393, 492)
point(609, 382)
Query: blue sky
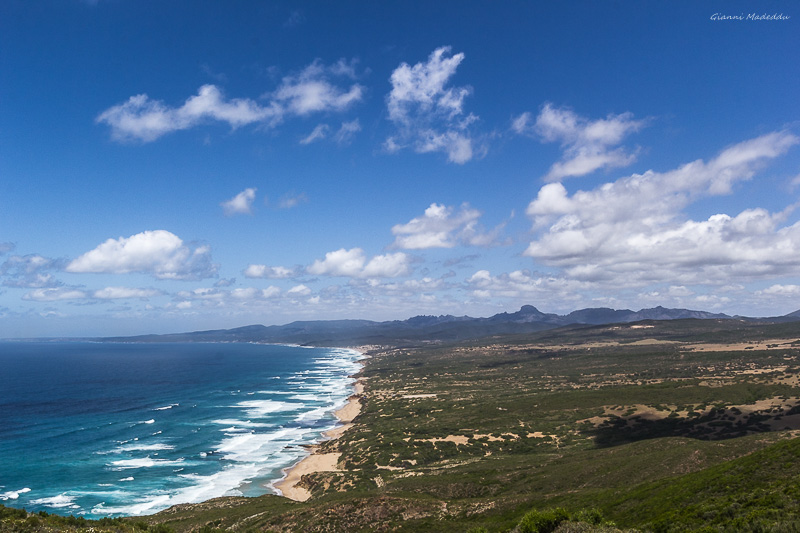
point(171, 166)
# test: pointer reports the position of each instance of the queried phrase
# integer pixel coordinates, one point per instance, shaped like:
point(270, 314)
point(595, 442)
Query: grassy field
point(682, 425)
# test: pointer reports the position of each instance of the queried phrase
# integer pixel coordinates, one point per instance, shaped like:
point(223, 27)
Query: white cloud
point(116, 293)
point(633, 231)
point(430, 115)
point(523, 124)
point(220, 298)
point(299, 290)
point(344, 135)
point(347, 131)
point(456, 144)
point(146, 120)
point(309, 91)
point(442, 227)
point(341, 262)
point(264, 271)
point(159, 253)
point(587, 144)
point(54, 295)
point(525, 286)
point(241, 204)
point(319, 133)
point(251, 293)
point(270, 292)
point(73, 293)
point(30, 271)
point(386, 266)
point(203, 293)
point(353, 263)
point(411, 287)
point(781, 290)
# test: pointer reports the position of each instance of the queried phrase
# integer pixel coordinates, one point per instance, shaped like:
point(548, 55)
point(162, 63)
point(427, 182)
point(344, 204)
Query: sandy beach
point(321, 462)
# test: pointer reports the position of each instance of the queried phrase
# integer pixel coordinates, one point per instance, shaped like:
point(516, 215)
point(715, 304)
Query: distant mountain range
point(426, 328)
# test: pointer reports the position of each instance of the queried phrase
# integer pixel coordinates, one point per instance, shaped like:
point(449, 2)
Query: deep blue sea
point(97, 429)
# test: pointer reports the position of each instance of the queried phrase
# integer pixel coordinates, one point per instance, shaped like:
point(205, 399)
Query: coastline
point(287, 486)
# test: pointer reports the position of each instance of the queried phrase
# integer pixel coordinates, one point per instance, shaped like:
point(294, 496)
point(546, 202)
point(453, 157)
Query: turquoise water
point(96, 429)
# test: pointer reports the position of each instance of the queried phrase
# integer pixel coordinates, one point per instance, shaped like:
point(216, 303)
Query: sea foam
point(243, 418)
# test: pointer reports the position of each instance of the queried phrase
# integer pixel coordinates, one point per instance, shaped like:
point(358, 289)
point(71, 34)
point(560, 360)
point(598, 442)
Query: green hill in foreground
point(681, 425)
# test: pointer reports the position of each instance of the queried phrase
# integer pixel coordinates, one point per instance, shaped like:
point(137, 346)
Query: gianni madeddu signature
point(751, 16)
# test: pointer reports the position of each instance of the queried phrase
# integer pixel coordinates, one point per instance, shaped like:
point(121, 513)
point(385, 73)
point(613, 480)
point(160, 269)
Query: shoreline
point(287, 486)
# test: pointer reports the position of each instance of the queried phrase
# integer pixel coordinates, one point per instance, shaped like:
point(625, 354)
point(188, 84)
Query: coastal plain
point(679, 425)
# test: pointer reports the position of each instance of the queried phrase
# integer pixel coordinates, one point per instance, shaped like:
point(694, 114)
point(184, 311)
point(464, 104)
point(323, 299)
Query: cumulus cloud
point(159, 253)
point(588, 145)
point(386, 266)
point(526, 286)
point(119, 293)
point(264, 271)
point(55, 294)
point(633, 230)
point(30, 271)
point(411, 287)
point(341, 262)
point(443, 227)
point(241, 204)
point(308, 91)
point(216, 297)
point(429, 114)
point(312, 90)
point(353, 263)
point(143, 119)
point(299, 290)
point(6, 247)
point(781, 290)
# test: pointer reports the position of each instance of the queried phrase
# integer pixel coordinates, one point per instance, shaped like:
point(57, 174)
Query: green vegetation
point(682, 425)
point(13, 520)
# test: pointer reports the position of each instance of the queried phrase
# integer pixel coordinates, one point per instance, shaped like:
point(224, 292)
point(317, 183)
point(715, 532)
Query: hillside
point(677, 425)
point(427, 329)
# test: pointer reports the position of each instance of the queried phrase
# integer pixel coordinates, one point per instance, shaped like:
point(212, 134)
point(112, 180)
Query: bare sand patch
point(492, 438)
point(540, 435)
point(351, 410)
point(458, 439)
point(316, 462)
point(649, 342)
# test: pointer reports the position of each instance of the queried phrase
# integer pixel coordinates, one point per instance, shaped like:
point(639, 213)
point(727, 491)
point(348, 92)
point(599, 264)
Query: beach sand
point(320, 462)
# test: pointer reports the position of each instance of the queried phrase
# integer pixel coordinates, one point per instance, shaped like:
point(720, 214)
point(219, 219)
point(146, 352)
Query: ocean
point(113, 429)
